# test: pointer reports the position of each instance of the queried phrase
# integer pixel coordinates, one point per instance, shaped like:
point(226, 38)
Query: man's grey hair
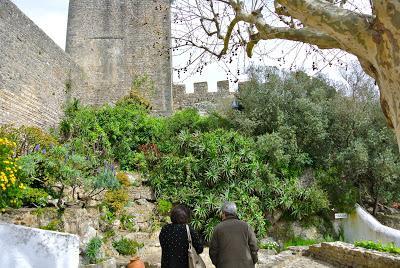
point(229, 208)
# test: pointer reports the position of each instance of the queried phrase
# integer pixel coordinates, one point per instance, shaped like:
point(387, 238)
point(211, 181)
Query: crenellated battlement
point(201, 88)
point(203, 97)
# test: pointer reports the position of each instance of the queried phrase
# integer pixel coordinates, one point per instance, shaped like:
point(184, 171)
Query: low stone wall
point(342, 254)
point(27, 247)
point(360, 225)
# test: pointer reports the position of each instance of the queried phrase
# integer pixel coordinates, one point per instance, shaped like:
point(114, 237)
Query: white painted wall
point(360, 225)
point(25, 247)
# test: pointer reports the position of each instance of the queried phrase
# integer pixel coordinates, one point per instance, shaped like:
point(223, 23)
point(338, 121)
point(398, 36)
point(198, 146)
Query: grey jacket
point(233, 245)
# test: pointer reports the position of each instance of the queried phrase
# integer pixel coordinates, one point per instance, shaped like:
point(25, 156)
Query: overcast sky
point(50, 15)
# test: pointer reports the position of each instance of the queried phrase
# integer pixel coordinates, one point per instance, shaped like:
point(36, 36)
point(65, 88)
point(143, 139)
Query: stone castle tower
point(117, 41)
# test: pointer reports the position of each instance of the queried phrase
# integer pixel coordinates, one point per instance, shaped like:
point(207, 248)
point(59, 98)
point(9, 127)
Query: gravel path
point(286, 259)
point(303, 262)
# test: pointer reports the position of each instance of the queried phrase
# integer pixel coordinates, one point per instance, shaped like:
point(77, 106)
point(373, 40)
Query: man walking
point(233, 244)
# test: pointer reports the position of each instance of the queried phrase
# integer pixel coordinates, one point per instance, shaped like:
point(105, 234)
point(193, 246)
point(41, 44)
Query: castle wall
point(202, 98)
point(36, 76)
point(116, 41)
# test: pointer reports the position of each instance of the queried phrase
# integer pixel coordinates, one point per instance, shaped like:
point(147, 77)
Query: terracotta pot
point(136, 263)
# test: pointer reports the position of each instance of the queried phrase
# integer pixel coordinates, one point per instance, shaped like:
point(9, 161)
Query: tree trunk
point(390, 102)
point(375, 206)
point(382, 62)
point(388, 79)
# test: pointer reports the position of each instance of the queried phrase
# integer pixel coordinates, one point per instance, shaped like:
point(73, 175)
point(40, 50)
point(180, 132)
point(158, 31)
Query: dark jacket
point(233, 245)
point(174, 244)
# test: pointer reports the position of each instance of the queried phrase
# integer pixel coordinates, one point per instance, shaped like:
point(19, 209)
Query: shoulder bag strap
point(189, 236)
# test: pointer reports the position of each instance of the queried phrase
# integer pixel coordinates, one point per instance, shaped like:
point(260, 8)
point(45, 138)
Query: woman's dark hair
point(180, 214)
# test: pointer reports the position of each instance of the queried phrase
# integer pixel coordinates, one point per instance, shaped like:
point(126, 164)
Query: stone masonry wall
point(346, 255)
point(116, 41)
point(36, 76)
point(201, 98)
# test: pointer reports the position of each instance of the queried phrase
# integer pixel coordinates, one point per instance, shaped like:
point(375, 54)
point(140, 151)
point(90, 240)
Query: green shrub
point(389, 248)
point(108, 216)
point(28, 139)
point(299, 241)
point(126, 246)
point(93, 251)
point(190, 120)
point(109, 132)
point(204, 169)
point(139, 161)
point(108, 234)
point(54, 225)
point(11, 186)
point(302, 122)
point(123, 179)
point(128, 222)
point(164, 207)
point(342, 193)
point(136, 98)
point(59, 168)
point(35, 197)
point(272, 245)
point(142, 87)
point(296, 201)
point(116, 200)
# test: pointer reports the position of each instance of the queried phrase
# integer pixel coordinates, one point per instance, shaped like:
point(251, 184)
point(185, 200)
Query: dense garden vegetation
point(299, 146)
point(390, 247)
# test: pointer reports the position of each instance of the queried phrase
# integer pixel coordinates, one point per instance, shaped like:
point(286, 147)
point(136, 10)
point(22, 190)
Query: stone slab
point(25, 247)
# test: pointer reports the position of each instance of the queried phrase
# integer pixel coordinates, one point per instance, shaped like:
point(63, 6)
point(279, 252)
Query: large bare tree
point(368, 29)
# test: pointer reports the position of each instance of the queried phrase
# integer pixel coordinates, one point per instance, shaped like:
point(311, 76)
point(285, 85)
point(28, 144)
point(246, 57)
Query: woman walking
point(174, 240)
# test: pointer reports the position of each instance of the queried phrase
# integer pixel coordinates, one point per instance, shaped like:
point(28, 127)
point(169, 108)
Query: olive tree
point(368, 29)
